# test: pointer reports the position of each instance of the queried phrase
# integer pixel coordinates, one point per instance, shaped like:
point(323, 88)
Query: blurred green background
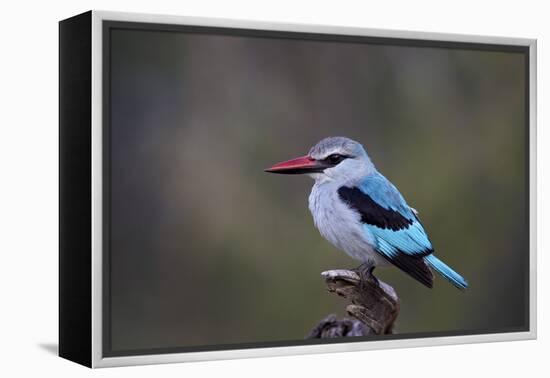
point(208, 249)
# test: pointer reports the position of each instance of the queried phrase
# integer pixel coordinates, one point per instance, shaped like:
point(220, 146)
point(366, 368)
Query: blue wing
point(397, 231)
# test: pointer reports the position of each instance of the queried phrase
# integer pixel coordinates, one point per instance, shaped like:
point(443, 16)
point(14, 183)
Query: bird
point(362, 213)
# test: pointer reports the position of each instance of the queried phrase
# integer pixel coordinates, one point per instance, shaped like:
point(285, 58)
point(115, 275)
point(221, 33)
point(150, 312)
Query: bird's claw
point(365, 275)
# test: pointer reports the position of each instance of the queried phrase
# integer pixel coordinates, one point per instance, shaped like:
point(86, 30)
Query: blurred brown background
point(208, 249)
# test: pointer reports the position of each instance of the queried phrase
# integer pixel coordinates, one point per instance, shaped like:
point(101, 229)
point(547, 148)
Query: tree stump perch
point(374, 306)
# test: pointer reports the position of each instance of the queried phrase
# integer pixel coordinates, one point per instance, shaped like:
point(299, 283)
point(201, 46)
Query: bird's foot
point(366, 276)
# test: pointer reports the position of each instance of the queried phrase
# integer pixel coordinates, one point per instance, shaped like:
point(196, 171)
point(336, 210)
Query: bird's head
point(332, 159)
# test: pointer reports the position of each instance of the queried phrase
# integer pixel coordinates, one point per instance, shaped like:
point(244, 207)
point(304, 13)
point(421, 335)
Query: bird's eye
point(335, 159)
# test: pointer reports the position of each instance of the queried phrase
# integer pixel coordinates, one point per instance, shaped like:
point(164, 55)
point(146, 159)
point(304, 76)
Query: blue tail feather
point(446, 271)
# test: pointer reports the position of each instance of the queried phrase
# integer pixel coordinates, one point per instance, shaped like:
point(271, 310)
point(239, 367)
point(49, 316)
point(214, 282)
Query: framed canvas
point(235, 189)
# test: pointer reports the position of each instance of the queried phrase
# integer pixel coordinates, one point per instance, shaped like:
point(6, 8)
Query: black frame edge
point(75, 195)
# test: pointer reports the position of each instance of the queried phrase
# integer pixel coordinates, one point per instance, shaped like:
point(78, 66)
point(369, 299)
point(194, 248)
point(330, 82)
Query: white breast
point(341, 225)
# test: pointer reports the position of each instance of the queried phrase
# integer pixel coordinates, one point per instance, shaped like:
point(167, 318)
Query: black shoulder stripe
point(371, 212)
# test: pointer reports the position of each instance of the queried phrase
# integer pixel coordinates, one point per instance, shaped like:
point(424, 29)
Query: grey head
point(333, 159)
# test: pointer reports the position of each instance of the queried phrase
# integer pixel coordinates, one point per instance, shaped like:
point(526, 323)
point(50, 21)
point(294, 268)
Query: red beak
point(303, 164)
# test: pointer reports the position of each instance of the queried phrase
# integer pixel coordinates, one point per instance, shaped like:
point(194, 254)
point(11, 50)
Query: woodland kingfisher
point(361, 212)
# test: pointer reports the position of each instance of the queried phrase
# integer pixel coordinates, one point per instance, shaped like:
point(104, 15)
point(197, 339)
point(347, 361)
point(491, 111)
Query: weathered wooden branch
point(374, 306)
